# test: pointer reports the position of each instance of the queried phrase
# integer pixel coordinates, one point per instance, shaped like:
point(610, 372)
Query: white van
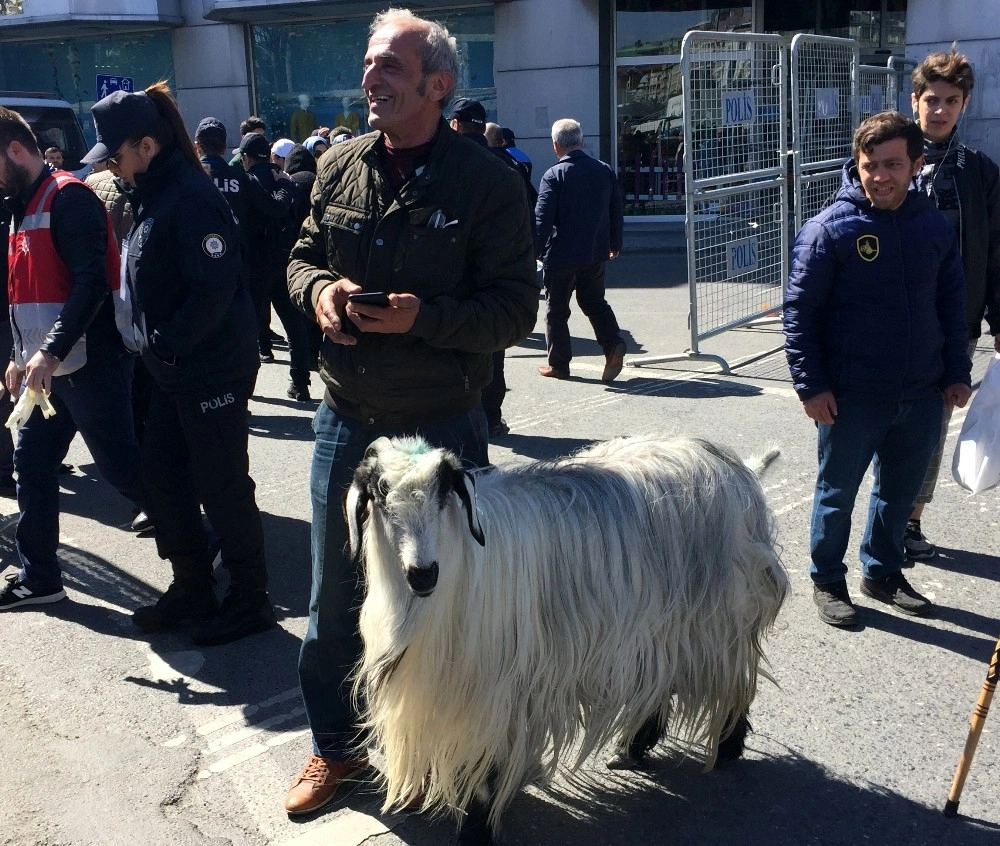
point(55, 124)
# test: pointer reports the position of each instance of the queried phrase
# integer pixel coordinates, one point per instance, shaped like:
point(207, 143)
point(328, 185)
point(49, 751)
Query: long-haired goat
point(513, 613)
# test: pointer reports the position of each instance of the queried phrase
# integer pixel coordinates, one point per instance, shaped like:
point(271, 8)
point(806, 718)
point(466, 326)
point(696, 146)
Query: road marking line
point(349, 829)
point(234, 715)
point(253, 751)
point(251, 730)
point(237, 715)
point(804, 501)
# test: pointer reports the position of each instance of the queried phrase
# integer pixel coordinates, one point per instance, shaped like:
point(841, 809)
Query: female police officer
point(195, 329)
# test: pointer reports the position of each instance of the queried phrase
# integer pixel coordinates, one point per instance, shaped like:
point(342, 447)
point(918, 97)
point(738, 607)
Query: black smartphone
point(373, 298)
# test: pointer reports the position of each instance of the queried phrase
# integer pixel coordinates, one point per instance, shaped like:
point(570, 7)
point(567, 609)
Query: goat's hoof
point(623, 760)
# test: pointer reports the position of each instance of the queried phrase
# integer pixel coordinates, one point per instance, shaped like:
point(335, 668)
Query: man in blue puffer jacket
point(875, 336)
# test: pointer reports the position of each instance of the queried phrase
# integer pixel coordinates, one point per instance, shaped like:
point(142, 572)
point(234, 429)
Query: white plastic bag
point(976, 465)
point(25, 405)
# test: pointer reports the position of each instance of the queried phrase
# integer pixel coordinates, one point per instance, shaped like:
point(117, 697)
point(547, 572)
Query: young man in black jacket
point(964, 184)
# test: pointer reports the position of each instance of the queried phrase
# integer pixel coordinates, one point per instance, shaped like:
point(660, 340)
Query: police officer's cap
point(118, 117)
point(212, 130)
point(467, 110)
point(255, 145)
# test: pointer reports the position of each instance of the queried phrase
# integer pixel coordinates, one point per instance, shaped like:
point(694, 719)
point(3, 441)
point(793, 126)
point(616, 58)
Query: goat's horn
point(356, 499)
point(465, 487)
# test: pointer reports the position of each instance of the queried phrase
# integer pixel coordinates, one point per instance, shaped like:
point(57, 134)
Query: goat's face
point(406, 488)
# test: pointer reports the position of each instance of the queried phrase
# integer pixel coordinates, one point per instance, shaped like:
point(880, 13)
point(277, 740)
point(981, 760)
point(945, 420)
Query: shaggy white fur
point(633, 578)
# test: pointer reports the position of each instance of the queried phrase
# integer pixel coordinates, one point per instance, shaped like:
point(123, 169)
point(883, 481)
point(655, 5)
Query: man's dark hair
point(952, 68)
point(13, 127)
point(252, 124)
point(212, 145)
point(341, 130)
point(886, 126)
point(55, 148)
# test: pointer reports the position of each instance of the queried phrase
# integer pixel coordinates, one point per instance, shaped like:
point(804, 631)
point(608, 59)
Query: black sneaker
point(141, 522)
point(834, 603)
point(18, 593)
point(180, 602)
point(299, 393)
point(896, 591)
point(8, 487)
point(242, 613)
point(917, 547)
point(266, 355)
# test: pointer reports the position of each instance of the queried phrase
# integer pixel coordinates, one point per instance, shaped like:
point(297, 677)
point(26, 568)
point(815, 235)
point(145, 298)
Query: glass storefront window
point(649, 101)
point(877, 25)
point(323, 64)
point(68, 69)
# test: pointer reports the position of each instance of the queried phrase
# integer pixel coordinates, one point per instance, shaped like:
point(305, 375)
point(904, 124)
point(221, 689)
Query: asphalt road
point(112, 738)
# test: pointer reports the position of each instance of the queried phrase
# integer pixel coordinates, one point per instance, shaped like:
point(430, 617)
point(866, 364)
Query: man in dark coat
point(439, 225)
point(578, 227)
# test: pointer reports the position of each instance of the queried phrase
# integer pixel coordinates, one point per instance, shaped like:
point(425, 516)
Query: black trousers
point(194, 454)
point(588, 282)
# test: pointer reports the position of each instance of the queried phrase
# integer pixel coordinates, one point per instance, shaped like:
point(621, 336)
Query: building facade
point(612, 64)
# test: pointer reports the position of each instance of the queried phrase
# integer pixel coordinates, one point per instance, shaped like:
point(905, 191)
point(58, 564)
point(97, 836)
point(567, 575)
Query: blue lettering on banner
point(738, 108)
point(741, 257)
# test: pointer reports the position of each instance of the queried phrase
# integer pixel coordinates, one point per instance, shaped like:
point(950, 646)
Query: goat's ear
point(356, 499)
point(465, 487)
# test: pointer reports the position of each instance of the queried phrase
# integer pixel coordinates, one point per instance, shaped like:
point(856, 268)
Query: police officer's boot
point(191, 596)
point(245, 610)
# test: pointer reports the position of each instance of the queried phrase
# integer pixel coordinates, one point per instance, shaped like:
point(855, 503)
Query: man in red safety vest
point(63, 275)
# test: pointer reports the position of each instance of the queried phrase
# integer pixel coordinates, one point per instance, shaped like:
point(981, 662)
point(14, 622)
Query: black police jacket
point(194, 321)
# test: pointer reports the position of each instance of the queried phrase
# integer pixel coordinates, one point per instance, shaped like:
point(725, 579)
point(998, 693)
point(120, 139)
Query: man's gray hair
point(494, 134)
point(568, 134)
point(438, 50)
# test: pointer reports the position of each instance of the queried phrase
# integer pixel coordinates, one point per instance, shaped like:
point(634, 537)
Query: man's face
point(403, 102)
point(14, 178)
point(54, 158)
point(886, 173)
point(938, 109)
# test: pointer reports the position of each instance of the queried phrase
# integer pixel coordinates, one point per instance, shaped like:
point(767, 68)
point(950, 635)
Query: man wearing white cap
point(280, 150)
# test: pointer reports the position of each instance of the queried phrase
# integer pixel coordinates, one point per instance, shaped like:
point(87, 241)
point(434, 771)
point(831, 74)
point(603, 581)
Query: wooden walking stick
point(975, 730)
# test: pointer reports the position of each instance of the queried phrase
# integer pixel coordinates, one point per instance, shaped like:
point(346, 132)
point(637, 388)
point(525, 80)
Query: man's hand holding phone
point(387, 314)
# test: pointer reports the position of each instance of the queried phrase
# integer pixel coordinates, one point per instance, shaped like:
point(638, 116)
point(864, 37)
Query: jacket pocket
point(344, 228)
point(433, 260)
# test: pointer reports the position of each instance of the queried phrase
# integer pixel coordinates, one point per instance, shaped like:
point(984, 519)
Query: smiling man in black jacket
point(437, 222)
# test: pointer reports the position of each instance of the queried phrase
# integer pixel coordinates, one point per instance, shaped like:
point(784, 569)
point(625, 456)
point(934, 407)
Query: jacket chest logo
point(147, 225)
point(868, 247)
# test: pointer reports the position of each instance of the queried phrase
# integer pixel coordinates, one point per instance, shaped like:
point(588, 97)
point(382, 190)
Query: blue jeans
point(94, 401)
point(900, 437)
point(332, 644)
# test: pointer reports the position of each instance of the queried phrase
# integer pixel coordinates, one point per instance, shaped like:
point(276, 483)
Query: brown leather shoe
point(613, 363)
point(551, 373)
point(318, 783)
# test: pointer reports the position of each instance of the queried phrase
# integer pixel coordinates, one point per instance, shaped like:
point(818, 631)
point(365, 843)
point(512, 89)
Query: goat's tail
point(757, 464)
